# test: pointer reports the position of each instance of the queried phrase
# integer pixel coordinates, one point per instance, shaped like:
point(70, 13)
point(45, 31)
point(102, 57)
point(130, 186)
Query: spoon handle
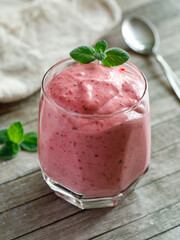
point(171, 76)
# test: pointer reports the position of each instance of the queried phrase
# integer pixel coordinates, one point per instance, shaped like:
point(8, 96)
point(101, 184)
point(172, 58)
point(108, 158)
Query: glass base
point(89, 203)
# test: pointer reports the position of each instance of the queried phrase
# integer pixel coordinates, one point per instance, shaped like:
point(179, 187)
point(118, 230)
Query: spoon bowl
point(142, 37)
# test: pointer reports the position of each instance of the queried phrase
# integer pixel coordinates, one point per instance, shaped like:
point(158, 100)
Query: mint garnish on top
point(110, 58)
point(14, 138)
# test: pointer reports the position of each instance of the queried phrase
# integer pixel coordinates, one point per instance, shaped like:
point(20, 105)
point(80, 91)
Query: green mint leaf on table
point(110, 58)
point(9, 150)
point(13, 137)
point(83, 54)
point(100, 46)
point(3, 136)
point(30, 142)
point(16, 132)
point(115, 57)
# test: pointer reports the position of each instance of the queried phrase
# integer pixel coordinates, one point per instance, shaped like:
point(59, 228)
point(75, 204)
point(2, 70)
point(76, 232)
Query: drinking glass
point(93, 161)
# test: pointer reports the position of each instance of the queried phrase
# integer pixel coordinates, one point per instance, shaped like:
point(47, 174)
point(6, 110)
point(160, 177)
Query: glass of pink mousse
point(94, 131)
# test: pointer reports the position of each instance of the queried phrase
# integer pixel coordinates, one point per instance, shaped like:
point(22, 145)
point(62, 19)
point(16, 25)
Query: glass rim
point(93, 115)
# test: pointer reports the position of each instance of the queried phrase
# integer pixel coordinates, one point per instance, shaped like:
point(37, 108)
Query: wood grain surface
point(30, 210)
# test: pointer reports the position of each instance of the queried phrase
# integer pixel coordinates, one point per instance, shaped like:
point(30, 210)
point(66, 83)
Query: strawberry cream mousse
point(94, 129)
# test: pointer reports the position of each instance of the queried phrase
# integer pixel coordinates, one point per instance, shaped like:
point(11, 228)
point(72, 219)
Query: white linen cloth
point(36, 34)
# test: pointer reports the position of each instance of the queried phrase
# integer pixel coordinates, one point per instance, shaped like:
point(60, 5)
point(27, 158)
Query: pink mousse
point(94, 156)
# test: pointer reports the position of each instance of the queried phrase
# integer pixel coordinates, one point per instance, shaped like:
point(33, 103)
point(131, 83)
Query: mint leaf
point(16, 132)
point(100, 46)
point(3, 136)
point(30, 142)
point(9, 150)
point(115, 57)
point(100, 56)
point(83, 54)
point(30, 147)
point(11, 138)
point(110, 58)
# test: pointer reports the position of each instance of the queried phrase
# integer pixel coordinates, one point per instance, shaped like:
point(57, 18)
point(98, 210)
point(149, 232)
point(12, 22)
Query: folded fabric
point(36, 34)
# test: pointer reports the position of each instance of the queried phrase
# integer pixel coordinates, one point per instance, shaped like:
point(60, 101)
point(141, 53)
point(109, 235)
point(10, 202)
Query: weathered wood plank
point(150, 9)
point(88, 224)
point(21, 165)
point(163, 163)
point(170, 130)
point(163, 103)
point(153, 70)
point(167, 27)
point(27, 112)
point(157, 10)
point(131, 4)
point(22, 190)
point(147, 226)
point(173, 234)
point(34, 215)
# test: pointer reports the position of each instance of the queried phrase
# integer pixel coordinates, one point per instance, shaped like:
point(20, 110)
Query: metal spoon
point(142, 37)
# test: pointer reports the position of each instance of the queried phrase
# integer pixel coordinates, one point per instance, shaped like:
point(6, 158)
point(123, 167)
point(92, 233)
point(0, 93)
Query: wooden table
point(30, 210)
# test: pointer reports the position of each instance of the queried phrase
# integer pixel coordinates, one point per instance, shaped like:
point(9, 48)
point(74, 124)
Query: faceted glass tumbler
point(93, 161)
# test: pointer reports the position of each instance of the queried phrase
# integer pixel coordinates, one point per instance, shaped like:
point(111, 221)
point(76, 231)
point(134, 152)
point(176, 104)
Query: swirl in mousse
point(94, 130)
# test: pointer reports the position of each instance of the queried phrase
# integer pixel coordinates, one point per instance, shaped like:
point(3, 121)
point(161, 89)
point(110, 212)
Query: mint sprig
point(30, 142)
point(14, 138)
point(110, 58)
